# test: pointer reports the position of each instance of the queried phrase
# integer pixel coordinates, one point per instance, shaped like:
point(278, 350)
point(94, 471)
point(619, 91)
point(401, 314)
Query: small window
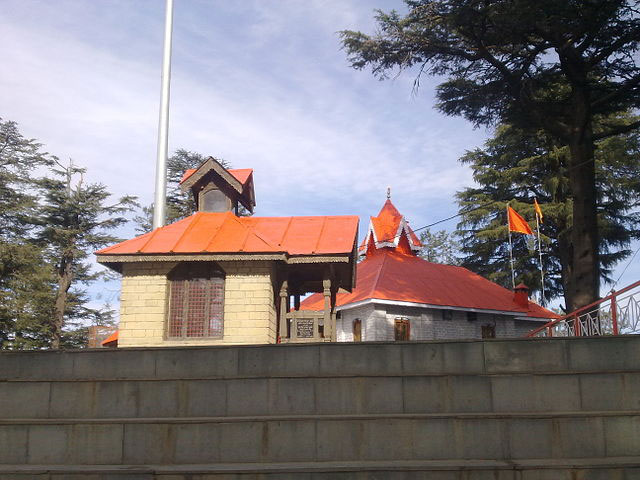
point(213, 200)
point(488, 331)
point(402, 329)
point(196, 301)
point(447, 314)
point(472, 316)
point(357, 330)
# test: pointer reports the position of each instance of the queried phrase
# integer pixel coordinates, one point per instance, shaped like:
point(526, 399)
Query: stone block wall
point(249, 309)
point(426, 324)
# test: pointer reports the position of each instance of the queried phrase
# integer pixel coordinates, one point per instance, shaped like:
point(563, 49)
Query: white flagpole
point(541, 267)
point(159, 205)
point(513, 276)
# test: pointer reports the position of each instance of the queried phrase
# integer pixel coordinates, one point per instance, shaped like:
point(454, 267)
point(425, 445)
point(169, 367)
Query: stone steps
point(320, 395)
point(609, 468)
point(321, 438)
point(513, 356)
point(502, 409)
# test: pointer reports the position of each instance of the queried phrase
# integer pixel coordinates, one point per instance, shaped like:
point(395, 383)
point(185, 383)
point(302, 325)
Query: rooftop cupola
point(217, 189)
point(390, 231)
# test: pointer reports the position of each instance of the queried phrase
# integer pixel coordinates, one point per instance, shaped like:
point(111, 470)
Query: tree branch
point(617, 130)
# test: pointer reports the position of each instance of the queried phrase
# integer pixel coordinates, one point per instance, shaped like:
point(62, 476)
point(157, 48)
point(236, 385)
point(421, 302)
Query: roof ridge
point(247, 229)
point(324, 221)
point(252, 229)
point(374, 287)
point(284, 234)
point(195, 220)
point(153, 233)
point(215, 233)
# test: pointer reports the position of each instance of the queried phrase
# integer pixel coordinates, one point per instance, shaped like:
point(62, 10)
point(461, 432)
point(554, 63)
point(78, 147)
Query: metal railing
point(615, 314)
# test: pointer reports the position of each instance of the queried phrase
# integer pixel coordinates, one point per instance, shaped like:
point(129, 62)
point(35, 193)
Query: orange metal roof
point(387, 227)
point(240, 174)
point(111, 339)
point(392, 275)
point(206, 232)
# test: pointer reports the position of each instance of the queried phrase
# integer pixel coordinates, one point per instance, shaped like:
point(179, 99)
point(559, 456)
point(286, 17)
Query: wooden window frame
point(488, 331)
point(407, 328)
point(359, 323)
point(196, 301)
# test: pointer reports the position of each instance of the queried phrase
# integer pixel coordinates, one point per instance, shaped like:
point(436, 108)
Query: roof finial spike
point(388, 193)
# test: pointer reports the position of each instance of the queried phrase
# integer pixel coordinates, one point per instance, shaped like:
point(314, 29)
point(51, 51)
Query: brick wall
point(249, 310)
point(426, 324)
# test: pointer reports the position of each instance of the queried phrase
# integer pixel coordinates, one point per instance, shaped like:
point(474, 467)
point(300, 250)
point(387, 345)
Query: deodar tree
point(516, 166)
point(555, 66)
point(76, 219)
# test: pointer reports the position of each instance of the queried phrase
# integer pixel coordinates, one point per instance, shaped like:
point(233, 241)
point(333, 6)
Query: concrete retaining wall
point(506, 409)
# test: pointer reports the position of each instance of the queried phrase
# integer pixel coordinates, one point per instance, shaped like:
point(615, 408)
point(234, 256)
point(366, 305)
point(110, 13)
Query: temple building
point(219, 278)
point(400, 296)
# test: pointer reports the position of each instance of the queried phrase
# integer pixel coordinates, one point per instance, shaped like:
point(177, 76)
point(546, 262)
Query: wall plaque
point(304, 327)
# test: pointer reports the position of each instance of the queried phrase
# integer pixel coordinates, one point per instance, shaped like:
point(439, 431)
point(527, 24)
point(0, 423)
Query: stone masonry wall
point(249, 310)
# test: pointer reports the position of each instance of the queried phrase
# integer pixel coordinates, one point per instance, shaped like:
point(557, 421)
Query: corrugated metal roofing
point(387, 226)
point(207, 232)
point(392, 275)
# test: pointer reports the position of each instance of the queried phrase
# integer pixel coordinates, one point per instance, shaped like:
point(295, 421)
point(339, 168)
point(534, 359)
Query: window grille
point(196, 302)
point(402, 329)
point(488, 331)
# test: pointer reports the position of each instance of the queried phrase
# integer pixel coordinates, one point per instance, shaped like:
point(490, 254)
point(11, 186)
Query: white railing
point(615, 314)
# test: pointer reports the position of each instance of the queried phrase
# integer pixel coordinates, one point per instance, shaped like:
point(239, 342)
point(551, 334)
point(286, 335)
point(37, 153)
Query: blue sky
point(262, 84)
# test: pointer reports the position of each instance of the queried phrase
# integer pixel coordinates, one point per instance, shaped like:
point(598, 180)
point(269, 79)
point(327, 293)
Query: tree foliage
point(439, 247)
point(517, 166)
point(558, 67)
point(75, 220)
point(49, 225)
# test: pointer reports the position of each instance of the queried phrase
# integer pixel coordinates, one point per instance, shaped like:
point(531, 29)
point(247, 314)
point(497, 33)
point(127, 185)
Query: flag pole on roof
point(159, 205)
point(518, 224)
point(539, 217)
point(513, 276)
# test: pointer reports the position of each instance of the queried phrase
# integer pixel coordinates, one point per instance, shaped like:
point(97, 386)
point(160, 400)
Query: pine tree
point(556, 66)
point(25, 278)
point(439, 247)
point(75, 220)
point(517, 166)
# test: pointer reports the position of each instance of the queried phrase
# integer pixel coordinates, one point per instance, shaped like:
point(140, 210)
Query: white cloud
point(261, 84)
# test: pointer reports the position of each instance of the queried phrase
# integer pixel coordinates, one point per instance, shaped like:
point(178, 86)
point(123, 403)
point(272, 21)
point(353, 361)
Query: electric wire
point(484, 205)
point(625, 268)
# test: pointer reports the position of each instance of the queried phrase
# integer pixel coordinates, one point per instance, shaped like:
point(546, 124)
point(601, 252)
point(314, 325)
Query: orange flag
point(517, 223)
point(537, 209)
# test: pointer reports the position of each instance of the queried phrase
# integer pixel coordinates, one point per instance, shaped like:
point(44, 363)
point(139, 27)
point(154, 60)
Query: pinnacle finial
point(388, 193)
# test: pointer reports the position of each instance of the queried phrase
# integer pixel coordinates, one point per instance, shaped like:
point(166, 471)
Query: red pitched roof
point(206, 232)
point(388, 227)
point(392, 275)
point(111, 340)
point(240, 174)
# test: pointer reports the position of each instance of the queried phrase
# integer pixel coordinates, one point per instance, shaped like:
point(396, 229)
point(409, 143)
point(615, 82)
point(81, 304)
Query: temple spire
point(390, 231)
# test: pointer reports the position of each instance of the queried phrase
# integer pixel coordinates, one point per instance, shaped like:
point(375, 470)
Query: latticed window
point(402, 329)
point(196, 301)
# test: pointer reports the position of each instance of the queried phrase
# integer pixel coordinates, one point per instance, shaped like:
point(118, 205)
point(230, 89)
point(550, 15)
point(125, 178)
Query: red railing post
point(614, 312)
point(576, 326)
point(549, 331)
